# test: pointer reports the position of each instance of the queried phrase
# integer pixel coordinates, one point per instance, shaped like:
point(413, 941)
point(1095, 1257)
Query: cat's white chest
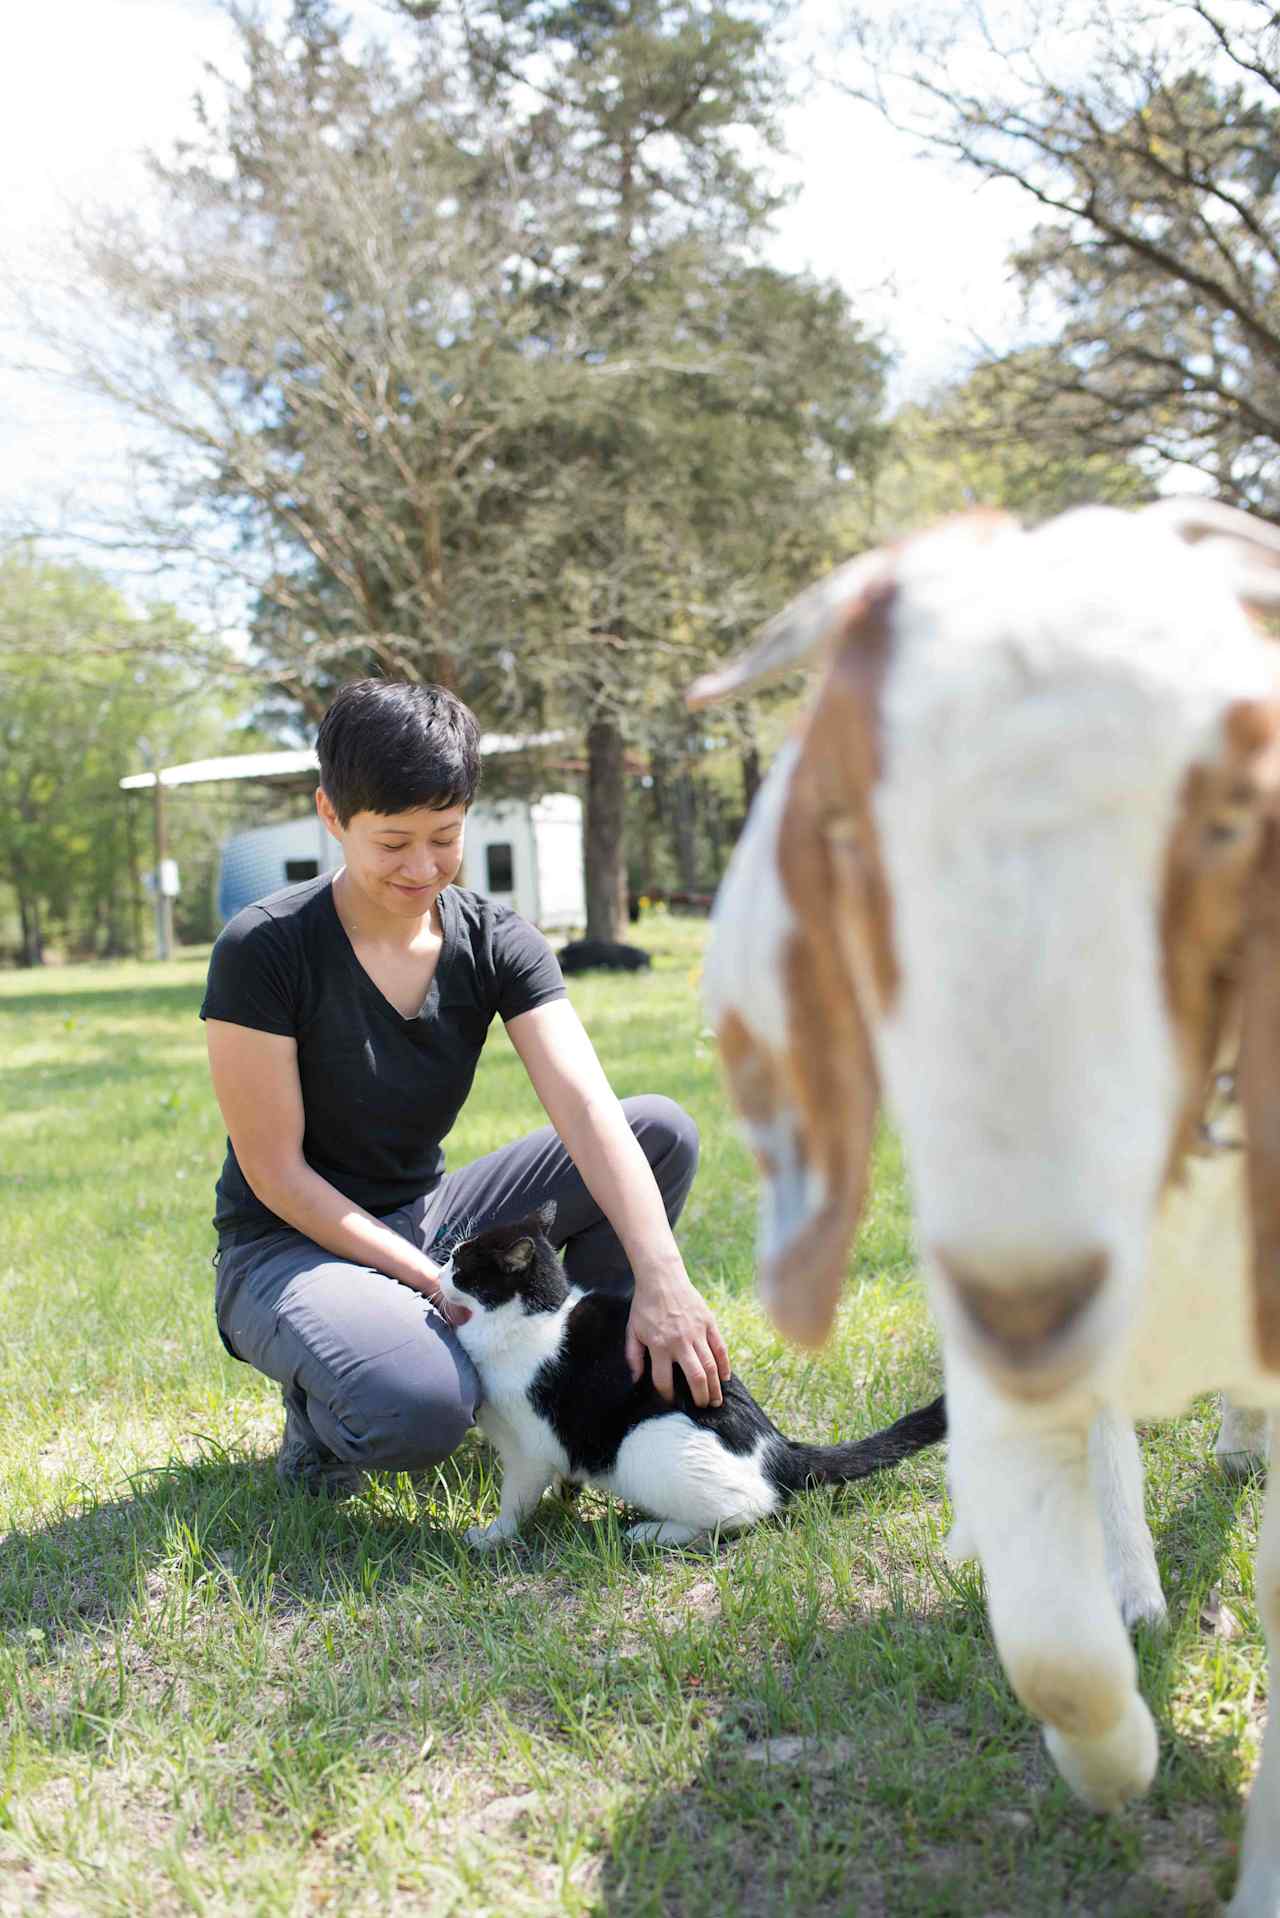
point(515, 1430)
point(508, 1352)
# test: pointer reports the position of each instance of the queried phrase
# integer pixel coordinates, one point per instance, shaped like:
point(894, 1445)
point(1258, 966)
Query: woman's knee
point(665, 1130)
point(404, 1437)
point(405, 1422)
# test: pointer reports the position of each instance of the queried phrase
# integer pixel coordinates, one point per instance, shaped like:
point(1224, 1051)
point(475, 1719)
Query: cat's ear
point(546, 1215)
point(517, 1257)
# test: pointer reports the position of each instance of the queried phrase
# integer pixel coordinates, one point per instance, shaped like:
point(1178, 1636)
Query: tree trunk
point(643, 831)
point(718, 834)
point(32, 953)
point(685, 823)
point(750, 774)
point(606, 871)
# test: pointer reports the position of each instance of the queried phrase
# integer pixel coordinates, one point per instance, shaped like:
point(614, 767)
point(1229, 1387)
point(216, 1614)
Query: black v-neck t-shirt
point(379, 1091)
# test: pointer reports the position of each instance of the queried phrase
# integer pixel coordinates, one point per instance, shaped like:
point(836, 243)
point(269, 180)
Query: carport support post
point(164, 905)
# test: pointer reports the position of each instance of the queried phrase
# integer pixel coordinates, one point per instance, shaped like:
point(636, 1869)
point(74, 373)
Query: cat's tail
point(794, 1466)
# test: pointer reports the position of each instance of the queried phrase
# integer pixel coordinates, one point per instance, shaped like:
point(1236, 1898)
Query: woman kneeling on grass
point(345, 1018)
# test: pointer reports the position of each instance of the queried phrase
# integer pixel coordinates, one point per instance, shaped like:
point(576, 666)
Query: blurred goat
point(1021, 867)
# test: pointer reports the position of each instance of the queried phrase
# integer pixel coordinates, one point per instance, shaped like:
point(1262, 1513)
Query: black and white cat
point(560, 1402)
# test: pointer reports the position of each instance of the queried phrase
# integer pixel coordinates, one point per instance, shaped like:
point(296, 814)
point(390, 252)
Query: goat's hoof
point(1106, 1772)
point(1243, 1443)
point(1135, 1586)
point(1240, 1467)
point(1142, 1604)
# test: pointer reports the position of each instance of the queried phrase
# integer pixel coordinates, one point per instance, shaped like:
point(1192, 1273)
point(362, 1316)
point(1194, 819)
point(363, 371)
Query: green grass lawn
point(220, 1697)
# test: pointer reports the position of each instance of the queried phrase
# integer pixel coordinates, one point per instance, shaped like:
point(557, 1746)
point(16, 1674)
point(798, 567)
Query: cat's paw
point(487, 1538)
point(663, 1531)
point(646, 1534)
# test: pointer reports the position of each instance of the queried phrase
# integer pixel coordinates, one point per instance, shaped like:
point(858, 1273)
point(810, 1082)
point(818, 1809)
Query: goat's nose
point(1026, 1326)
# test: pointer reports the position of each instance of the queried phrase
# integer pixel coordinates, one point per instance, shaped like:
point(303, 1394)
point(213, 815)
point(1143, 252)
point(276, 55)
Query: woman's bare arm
point(255, 1080)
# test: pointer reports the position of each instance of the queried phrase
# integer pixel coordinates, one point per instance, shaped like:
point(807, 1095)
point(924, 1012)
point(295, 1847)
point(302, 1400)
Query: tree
point(739, 398)
point(323, 336)
point(979, 443)
point(1156, 272)
point(82, 681)
point(468, 366)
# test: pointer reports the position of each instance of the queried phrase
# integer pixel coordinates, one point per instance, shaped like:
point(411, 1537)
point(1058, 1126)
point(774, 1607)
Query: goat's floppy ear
point(792, 636)
point(822, 616)
point(802, 931)
point(1259, 1072)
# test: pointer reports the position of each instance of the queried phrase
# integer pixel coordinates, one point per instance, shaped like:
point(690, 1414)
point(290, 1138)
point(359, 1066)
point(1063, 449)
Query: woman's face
point(399, 861)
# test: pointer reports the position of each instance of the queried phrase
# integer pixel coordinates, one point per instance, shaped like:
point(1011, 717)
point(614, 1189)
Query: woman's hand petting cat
point(423, 1276)
point(676, 1326)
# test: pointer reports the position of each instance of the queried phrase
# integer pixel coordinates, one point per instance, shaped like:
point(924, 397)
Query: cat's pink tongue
point(451, 1310)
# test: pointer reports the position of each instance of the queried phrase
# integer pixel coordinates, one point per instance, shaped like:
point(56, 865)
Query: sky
point(86, 85)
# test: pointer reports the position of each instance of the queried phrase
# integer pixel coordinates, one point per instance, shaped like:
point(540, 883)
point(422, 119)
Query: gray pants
point(377, 1373)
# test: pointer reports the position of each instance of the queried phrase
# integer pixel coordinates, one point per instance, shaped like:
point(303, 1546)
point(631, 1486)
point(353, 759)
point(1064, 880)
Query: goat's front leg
point(1258, 1892)
point(524, 1480)
point(1025, 1494)
point(1243, 1445)
point(1115, 1466)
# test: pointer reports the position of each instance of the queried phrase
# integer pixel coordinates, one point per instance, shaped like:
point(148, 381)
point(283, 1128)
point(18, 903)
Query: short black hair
point(387, 746)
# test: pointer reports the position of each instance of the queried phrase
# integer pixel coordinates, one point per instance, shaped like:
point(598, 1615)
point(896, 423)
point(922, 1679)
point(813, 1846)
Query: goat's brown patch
point(747, 1065)
point(829, 846)
point(1220, 935)
point(833, 879)
point(812, 1102)
point(1259, 1078)
point(755, 1079)
point(1024, 1324)
point(1201, 931)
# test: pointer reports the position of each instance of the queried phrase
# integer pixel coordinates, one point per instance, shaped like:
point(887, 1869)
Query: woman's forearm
point(616, 1173)
point(668, 1320)
point(312, 1206)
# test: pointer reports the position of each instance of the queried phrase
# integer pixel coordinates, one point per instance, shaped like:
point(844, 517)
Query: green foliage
point(1154, 274)
point(987, 441)
point(472, 351)
point(83, 682)
point(455, 346)
point(1170, 292)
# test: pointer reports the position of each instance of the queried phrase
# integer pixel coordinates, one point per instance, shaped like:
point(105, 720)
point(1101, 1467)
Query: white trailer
point(519, 852)
point(526, 853)
point(262, 859)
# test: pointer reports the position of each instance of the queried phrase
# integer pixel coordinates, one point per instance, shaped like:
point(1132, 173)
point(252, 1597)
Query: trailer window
point(499, 867)
point(295, 870)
